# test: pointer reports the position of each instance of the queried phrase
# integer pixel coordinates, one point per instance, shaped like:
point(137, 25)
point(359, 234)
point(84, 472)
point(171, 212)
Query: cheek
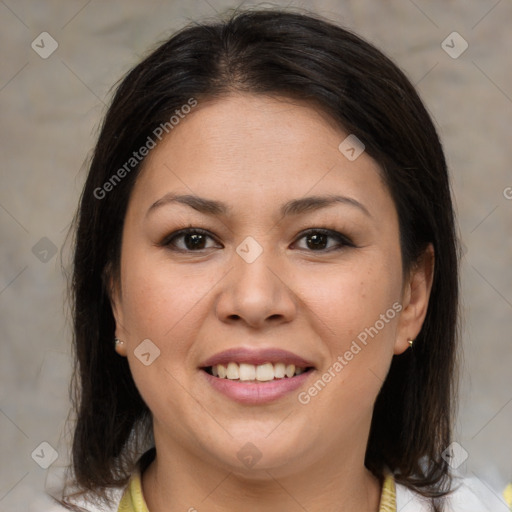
point(158, 296)
point(161, 303)
point(357, 312)
point(349, 300)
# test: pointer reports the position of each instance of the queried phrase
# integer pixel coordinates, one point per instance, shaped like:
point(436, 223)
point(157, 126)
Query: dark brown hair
point(299, 56)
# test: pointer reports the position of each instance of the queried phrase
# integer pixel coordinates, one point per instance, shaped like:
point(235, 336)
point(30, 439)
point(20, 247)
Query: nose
point(256, 293)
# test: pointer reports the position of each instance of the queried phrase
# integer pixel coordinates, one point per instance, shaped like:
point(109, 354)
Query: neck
point(176, 480)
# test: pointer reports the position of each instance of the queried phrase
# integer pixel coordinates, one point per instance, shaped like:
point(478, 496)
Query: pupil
point(193, 241)
point(318, 240)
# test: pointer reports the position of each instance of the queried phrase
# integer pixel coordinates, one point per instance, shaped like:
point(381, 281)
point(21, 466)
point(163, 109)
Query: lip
point(251, 393)
point(256, 357)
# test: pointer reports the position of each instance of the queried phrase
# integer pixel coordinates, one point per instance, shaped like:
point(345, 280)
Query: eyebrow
point(293, 207)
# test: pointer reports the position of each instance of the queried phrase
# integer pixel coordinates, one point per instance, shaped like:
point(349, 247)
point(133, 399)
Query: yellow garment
point(507, 494)
point(133, 500)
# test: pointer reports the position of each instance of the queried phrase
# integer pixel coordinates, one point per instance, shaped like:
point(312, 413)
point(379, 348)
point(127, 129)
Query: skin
point(254, 153)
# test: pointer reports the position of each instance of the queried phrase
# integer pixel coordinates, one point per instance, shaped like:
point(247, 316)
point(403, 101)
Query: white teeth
point(279, 370)
point(232, 371)
point(262, 372)
point(247, 371)
point(221, 369)
point(265, 372)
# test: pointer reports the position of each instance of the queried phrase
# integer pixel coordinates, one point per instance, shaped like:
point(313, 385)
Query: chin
point(258, 455)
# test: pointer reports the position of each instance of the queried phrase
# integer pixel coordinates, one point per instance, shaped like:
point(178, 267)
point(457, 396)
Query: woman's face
point(273, 271)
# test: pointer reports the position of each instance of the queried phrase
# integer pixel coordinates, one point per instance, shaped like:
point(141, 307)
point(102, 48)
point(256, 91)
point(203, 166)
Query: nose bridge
point(255, 292)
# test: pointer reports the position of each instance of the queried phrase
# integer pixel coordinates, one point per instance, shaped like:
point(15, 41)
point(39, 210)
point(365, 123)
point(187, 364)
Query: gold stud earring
point(411, 342)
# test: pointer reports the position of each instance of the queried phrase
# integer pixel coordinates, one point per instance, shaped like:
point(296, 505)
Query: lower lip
point(257, 393)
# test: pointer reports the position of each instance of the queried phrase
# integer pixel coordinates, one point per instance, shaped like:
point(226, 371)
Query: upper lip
point(256, 357)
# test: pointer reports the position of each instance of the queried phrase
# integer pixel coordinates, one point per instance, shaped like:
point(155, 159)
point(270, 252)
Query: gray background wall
point(50, 110)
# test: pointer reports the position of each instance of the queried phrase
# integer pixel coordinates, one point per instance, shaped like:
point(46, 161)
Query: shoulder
point(469, 494)
point(47, 504)
point(118, 495)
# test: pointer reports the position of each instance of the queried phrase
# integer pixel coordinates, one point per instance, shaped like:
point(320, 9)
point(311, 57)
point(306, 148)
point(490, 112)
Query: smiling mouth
point(244, 372)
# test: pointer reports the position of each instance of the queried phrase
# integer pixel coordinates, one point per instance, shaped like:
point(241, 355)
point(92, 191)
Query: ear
point(415, 298)
point(113, 290)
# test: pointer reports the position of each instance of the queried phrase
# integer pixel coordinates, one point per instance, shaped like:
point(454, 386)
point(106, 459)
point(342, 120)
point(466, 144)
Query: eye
point(196, 239)
point(193, 239)
point(317, 240)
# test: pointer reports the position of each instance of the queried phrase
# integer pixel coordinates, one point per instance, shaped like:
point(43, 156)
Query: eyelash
point(342, 240)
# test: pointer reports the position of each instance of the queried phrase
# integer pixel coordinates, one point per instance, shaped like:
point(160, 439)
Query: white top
point(471, 495)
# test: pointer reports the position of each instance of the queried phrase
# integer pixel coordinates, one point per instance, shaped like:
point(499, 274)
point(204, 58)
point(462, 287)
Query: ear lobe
point(415, 300)
point(112, 290)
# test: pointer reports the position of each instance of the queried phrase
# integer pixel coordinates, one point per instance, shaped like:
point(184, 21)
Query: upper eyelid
point(341, 237)
point(333, 233)
point(185, 231)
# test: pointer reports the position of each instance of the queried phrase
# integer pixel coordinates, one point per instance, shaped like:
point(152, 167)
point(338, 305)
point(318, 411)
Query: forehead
point(258, 148)
point(236, 127)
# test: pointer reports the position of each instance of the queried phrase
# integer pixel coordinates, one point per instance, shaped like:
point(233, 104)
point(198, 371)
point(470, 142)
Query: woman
point(266, 281)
